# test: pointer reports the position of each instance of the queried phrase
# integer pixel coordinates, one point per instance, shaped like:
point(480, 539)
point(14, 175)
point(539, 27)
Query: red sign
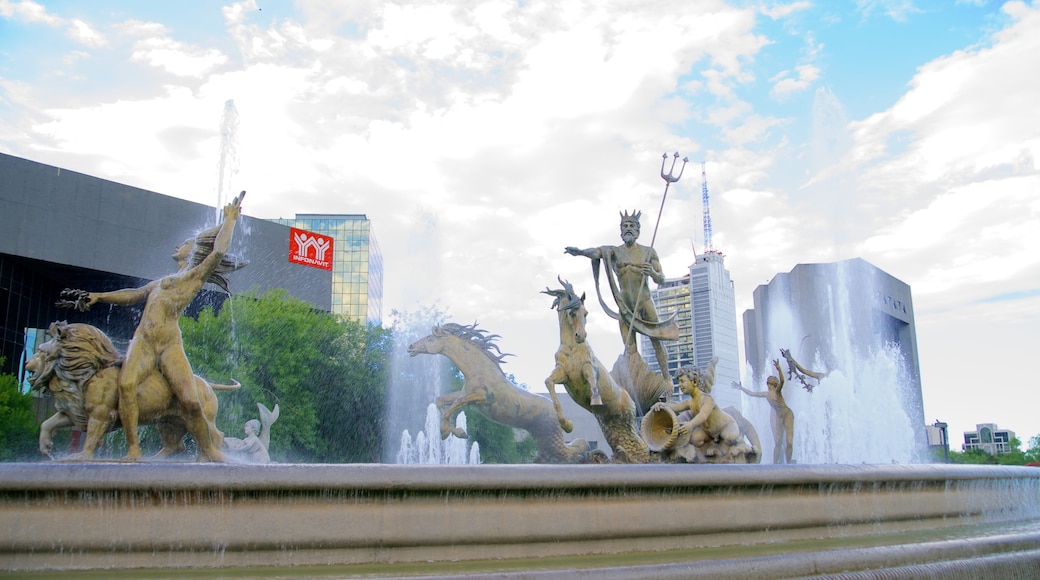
point(310, 249)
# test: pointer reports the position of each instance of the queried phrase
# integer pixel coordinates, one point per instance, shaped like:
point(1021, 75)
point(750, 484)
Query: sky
point(481, 138)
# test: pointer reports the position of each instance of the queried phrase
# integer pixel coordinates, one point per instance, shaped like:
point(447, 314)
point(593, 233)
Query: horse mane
point(566, 299)
point(476, 336)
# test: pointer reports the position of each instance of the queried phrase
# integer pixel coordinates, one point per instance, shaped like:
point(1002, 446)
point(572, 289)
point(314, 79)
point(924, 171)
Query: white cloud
point(177, 58)
point(778, 11)
point(28, 11)
point(804, 77)
point(84, 33)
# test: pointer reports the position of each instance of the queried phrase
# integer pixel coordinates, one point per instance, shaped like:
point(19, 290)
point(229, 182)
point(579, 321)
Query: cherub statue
point(706, 433)
point(253, 449)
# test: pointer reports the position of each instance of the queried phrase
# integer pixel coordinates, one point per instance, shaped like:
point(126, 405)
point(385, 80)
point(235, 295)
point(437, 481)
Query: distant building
point(989, 438)
point(938, 440)
point(707, 317)
point(357, 263)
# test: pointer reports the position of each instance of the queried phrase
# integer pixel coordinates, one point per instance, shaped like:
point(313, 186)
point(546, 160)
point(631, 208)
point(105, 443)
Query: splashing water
point(429, 449)
point(227, 166)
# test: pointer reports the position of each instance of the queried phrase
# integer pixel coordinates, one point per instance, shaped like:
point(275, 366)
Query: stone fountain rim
point(101, 476)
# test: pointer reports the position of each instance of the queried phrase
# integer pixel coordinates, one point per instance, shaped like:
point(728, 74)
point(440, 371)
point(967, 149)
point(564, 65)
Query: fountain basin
point(81, 516)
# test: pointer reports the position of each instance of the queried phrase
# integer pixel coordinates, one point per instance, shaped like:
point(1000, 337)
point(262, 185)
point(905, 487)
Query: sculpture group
point(97, 390)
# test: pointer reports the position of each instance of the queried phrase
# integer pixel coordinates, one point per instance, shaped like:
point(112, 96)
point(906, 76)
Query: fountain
point(657, 520)
point(429, 449)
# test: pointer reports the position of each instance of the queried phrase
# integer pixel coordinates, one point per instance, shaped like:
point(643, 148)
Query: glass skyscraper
point(357, 263)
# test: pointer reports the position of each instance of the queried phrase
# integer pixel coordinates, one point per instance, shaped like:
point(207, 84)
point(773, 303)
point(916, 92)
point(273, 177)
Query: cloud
point(78, 30)
point(28, 11)
point(784, 85)
point(177, 58)
point(84, 33)
point(779, 11)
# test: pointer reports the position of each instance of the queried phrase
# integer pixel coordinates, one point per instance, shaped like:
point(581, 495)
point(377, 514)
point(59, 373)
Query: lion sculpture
point(79, 367)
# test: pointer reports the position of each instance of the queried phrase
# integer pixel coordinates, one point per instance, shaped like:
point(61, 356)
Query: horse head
point(429, 344)
point(571, 309)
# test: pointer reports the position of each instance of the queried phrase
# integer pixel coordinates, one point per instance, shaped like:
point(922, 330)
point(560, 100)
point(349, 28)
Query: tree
point(1033, 454)
point(18, 429)
point(327, 375)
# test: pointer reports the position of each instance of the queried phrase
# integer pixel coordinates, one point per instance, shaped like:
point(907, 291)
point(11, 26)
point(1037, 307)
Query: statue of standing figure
point(156, 343)
point(254, 447)
point(627, 268)
point(782, 419)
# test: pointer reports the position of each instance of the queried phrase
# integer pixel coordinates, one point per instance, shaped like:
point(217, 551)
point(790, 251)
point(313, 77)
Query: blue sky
point(483, 137)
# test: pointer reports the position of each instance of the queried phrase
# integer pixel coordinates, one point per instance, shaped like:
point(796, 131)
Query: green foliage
point(498, 443)
point(327, 375)
point(1014, 457)
point(1032, 455)
point(19, 432)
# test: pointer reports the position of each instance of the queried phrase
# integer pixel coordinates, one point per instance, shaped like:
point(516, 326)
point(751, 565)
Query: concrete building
point(357, 264)
point(989, 438)
point(707, 317)
point(61, 229)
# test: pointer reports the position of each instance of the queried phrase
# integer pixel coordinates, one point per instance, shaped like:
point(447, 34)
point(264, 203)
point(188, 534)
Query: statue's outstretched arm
point(209, 264)
point(82, 300)
point(593, 253)
point(741, 388)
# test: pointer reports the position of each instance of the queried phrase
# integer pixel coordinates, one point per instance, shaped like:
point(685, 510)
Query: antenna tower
point(708, 247)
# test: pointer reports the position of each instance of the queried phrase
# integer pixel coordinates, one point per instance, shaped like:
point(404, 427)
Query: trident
point(669, 179)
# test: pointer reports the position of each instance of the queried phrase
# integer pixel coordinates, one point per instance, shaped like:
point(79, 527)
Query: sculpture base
point(647, 520)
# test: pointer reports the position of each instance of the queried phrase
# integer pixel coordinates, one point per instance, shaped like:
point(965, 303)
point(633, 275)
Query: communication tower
point(708, 246)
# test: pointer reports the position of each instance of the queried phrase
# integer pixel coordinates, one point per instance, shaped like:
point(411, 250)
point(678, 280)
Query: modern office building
point(989, 438)
point(707, 317)
point(61, 229)
point(357, 264)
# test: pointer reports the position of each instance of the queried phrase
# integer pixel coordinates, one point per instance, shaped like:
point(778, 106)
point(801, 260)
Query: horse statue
point(487, 390)
point(589, 383)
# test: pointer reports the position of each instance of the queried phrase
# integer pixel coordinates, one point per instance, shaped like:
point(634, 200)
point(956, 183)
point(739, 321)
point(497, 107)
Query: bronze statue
point(157, 341)
point(627, 267)
point(487, 390)
point(254, 447)
point(701, 432)
point(782, 419)
point(586, 380)
point(79, 367)
point(799, 372)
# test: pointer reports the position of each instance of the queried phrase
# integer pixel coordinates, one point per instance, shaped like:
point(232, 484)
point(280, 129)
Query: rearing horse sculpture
point(589, 383)
point(487, 389)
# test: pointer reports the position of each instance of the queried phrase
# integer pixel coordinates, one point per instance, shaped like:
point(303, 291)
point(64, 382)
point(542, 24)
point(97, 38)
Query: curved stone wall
point(661, 520)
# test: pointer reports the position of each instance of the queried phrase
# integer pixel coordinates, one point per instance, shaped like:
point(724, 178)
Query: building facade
point(357, 263)
point(707, 316)
point(61, 229)
point(989, 438)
